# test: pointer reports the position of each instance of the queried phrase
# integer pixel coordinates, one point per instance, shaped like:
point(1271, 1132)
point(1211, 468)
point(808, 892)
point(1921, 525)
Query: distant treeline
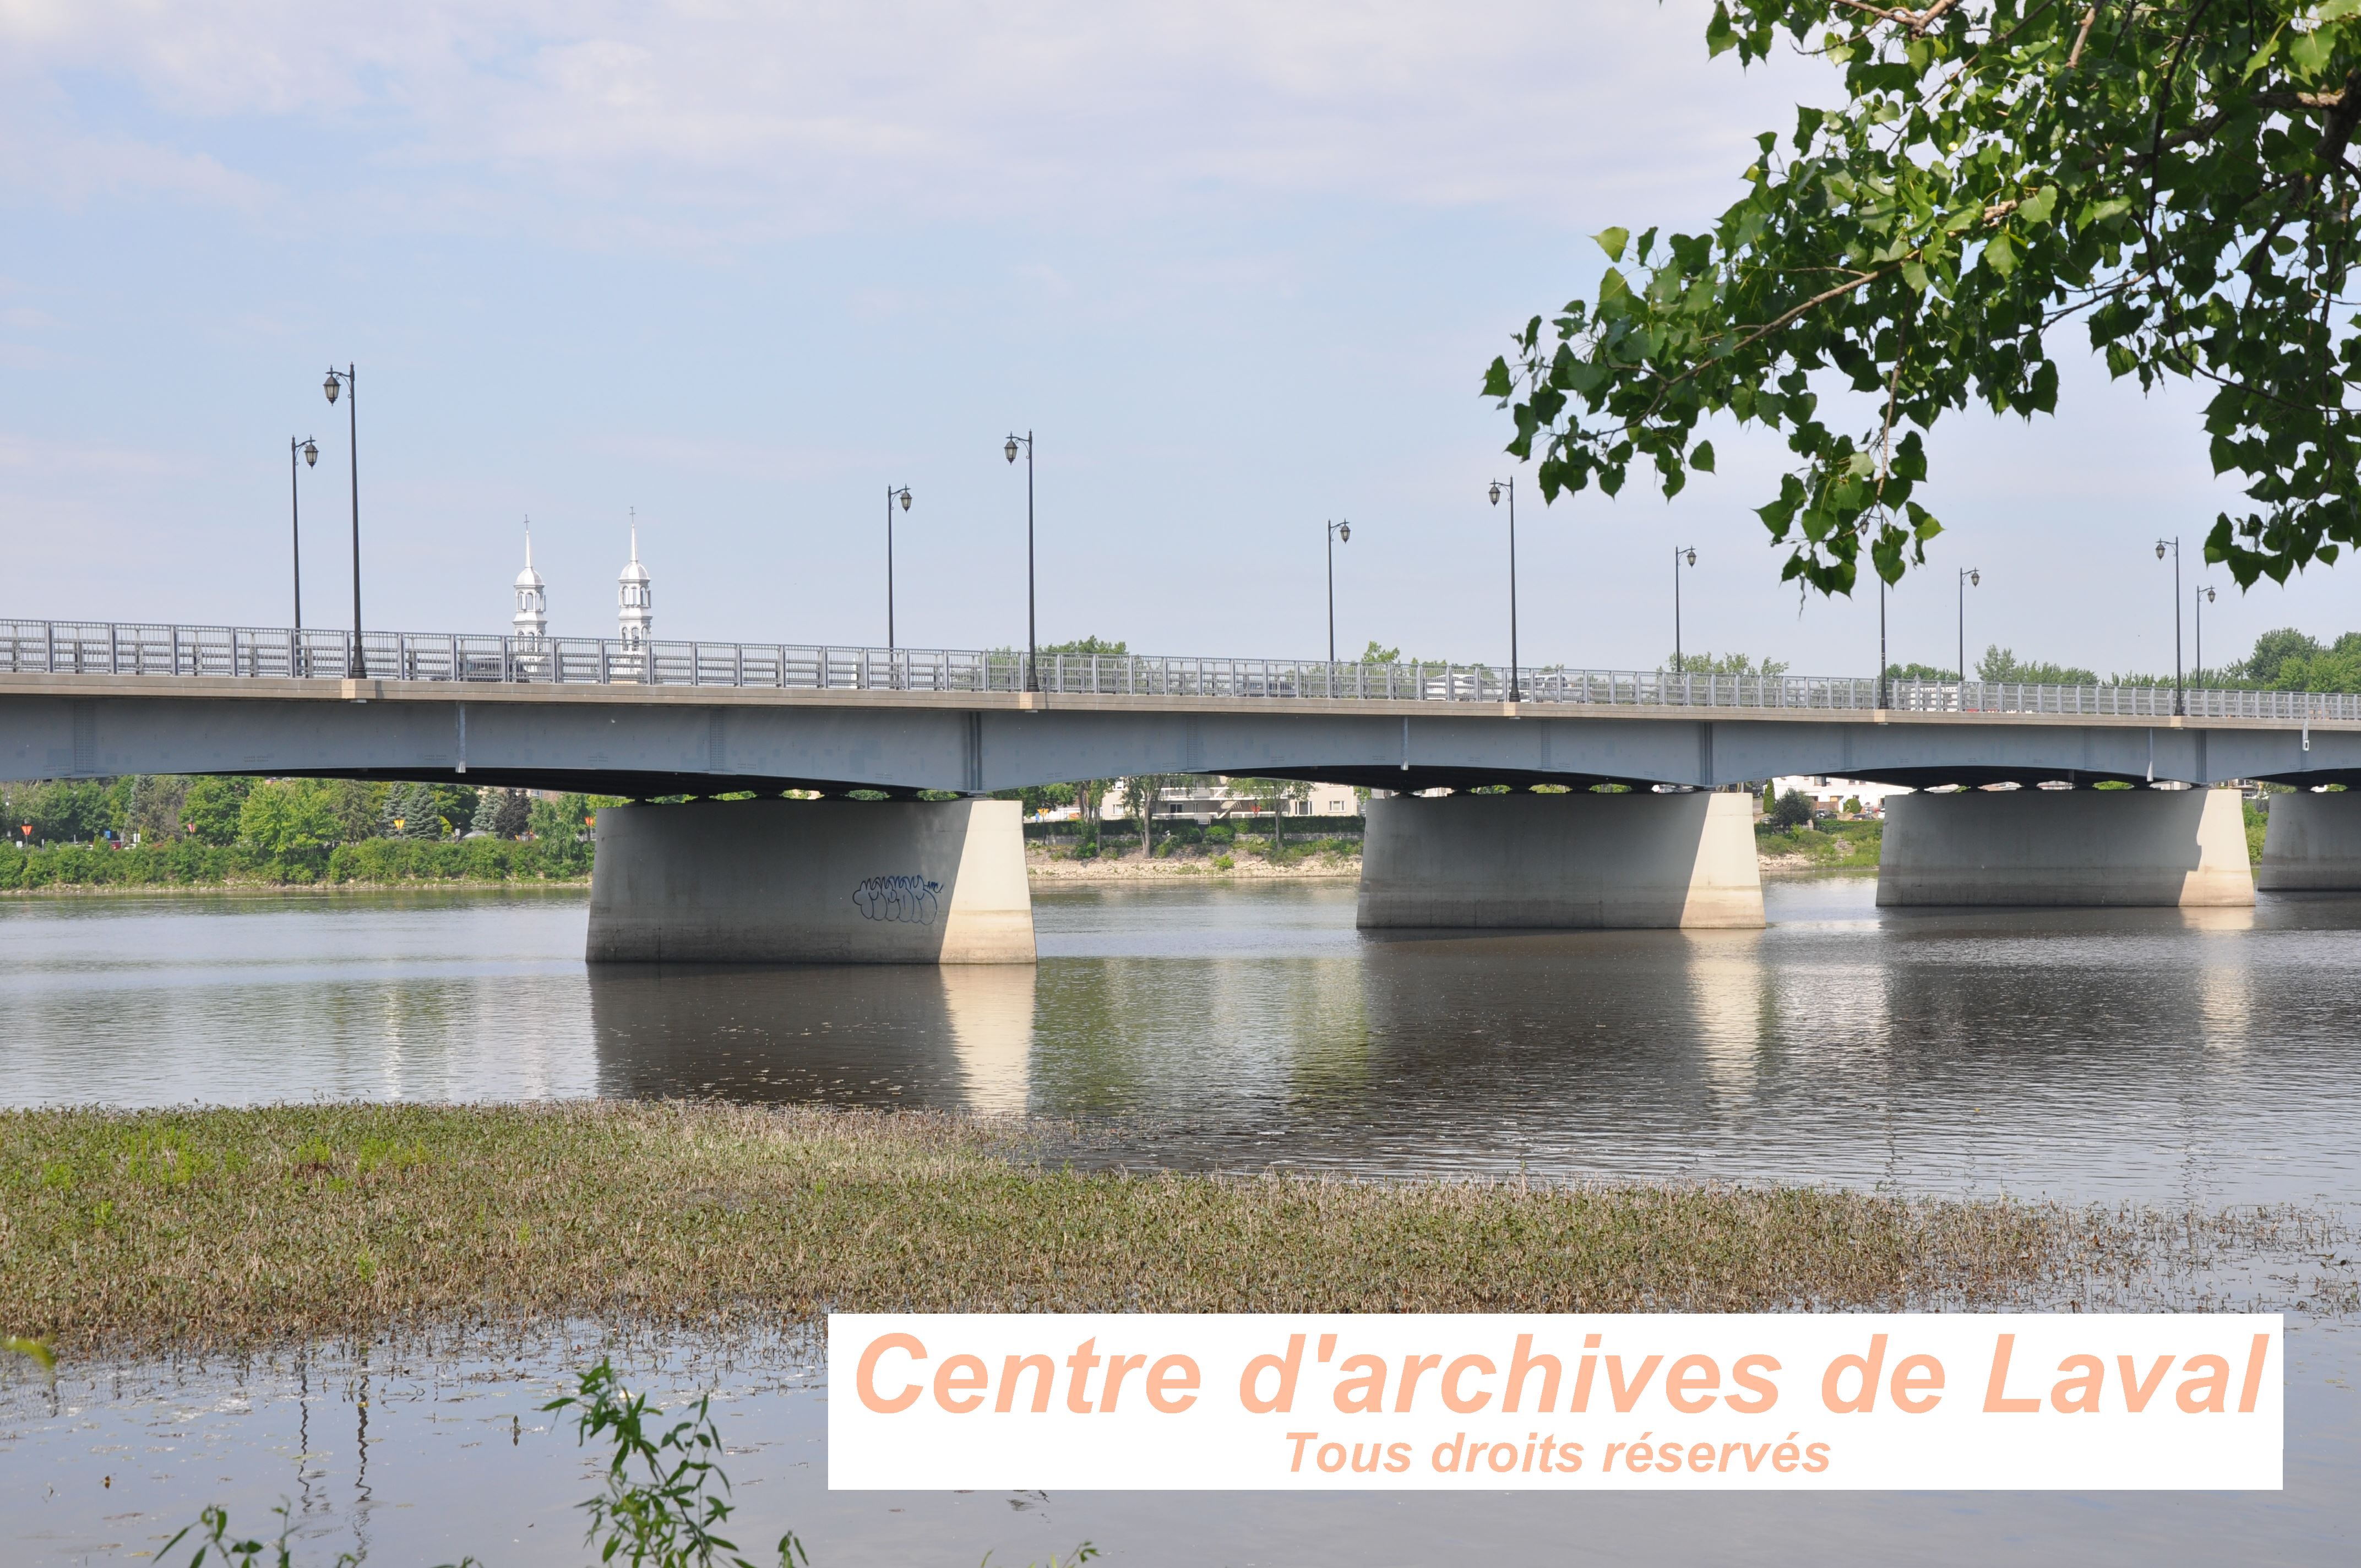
point(2285, 660)
point(154, 830)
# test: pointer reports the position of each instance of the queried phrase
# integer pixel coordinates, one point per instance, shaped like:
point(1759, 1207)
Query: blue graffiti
point(909, 899)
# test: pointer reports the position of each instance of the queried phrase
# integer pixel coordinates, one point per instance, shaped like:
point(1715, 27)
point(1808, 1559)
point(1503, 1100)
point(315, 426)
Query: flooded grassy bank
point(205, 1229)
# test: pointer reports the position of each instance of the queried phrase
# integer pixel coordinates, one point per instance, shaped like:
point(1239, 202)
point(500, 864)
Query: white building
point(1211, 800)
point(1828, 792)
point(636, 601)
point(532, 618)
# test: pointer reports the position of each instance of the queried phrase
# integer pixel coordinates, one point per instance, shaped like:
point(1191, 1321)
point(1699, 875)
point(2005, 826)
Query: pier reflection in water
point(957, 1037)
point(2085, 1053)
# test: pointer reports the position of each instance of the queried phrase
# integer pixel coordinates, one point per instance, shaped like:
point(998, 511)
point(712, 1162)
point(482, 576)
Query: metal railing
point(56, 647)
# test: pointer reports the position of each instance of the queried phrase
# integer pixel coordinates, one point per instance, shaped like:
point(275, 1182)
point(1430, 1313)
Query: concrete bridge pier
point(1578, 861)
point(2311, 844)
point(2097, 849)
point(839, 881)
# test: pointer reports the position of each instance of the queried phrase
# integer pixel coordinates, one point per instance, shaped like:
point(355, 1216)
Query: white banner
point(1150, 1402)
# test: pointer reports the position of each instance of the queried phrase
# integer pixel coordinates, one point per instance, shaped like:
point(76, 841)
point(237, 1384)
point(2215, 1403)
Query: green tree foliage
point(411, 811)
point(2178, 180)
point(1792, 810)
point(356, 803)
point(1723, 665)
point(1088, 646)
point(59, 811)
point(288, 816)
point(210, 812)
point(502, 813)
point(2002, 665)
point(152, 807)
point(1919, 673)
point(566, 818)
point(2334, 668)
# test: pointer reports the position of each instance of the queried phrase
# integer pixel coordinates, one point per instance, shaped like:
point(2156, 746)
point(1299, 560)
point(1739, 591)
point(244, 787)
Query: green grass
point(1839, 846)
point(171, 1230)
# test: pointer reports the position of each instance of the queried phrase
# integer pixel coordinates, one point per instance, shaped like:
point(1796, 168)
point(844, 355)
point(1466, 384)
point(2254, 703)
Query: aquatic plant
point(665, 1494)
point(665, 1498)
point(132, 1232)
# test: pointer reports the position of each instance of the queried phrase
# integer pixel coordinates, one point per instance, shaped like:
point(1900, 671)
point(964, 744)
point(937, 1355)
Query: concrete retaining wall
point(1563, 861)
point(812, 881)
point(2313, 842)
point(2066, 848)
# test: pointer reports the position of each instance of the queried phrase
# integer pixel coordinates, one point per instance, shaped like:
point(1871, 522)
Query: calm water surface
point(2158, 1053)
point(2149, 1055)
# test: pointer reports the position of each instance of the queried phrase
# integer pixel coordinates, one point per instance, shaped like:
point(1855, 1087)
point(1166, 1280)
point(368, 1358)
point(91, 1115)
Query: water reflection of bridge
point(955, 1038)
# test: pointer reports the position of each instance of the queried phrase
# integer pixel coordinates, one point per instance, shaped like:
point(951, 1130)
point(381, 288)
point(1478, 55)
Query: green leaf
point(1719, 36)
point(1701, 460)
point(1497, 382)
point(2000, 256)
point(1914, 273)
point(2262, 56)
point(1612, 242)
point(2037, 206)
point(2309, 52)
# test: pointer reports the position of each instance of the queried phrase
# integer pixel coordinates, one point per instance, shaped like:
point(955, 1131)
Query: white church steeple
point(634, 596)
point(531, 620)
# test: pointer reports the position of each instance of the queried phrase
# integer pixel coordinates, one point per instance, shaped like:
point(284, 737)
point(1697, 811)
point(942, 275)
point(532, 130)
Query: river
point(2157, 1056)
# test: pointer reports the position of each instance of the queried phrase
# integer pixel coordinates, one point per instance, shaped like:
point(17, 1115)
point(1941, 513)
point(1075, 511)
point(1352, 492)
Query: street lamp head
point(311, 452)
point(1495, 492)
point(1011, 449)
point(1344, 532)
point(1689, 555)
point(2159, 548)
point(330, 386)
point(2209, 596)
point(1975, 578)
point(905, 497)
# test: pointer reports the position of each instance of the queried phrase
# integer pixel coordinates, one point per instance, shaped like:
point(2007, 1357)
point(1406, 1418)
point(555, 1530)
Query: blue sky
point(743, 267)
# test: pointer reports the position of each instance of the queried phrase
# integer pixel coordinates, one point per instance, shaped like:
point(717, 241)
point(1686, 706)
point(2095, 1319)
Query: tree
point(1272, 795)
point(1723, 665)
point(1140, 794)
point(2179, 176)
point(60, 811)
point(2274, 649)
point(1792, 810)
point(153, 810)
point(283, 817)
point(410, 813)
point(210, 812)
point(2001, 663)
point(357, 806)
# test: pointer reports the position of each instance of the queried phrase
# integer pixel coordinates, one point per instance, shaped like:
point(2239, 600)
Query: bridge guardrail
point(141, 648)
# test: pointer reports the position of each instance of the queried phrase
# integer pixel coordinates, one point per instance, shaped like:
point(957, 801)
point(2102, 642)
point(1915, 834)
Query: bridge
point(653, 719)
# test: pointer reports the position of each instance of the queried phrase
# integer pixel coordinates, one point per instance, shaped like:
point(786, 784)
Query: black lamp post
point(1338, 534)
point(1683, 555)
point(892, 495)
point(1970, 578)
point(2203, 598)
point(1510, 485)
point(2160, 546)
point(1032, 633)
point(310, 452)
point(343, 381)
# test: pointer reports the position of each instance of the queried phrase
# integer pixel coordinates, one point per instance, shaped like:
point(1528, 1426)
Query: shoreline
point(263, 889)
point(1038, 871)
point(228, 1228)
